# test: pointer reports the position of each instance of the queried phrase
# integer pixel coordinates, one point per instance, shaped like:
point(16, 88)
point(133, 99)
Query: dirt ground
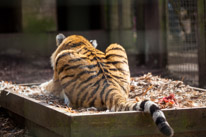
point(21, 70)
point(9, 128)
point(37, 70)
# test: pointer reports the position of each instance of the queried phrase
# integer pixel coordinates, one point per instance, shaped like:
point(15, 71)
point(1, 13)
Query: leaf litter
point(167, 93)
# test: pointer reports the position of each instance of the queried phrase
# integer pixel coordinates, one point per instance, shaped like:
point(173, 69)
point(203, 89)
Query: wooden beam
point(140, 30)
point(54, 121)
point(201, 7)
point(163, 13)
point(41, 114)
point(155, 28)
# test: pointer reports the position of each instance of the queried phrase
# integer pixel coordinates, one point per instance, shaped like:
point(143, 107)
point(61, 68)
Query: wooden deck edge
point(102, 124)
point(37, 112)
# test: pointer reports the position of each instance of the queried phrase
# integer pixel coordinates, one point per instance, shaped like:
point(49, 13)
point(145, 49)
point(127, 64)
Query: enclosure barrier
point(45, 120)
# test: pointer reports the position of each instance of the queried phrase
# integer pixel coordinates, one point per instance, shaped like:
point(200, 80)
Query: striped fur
point(91, 78)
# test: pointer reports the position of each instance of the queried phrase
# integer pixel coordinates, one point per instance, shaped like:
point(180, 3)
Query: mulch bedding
point(166, 93)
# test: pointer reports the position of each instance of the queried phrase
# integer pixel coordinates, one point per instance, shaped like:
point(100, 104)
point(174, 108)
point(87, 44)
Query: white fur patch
point(66, 99)
point(108, 110)
point(138, 106)
point(113, 109)
point(94, 43)
point(131, 108)
point(147, 106)
point(118, 108)
point(157, 114)
point(43, 85)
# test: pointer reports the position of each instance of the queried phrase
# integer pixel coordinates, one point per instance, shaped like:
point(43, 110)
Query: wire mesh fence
point(182, 43)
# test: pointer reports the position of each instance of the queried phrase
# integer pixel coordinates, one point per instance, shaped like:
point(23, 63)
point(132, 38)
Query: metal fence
point(182, 41)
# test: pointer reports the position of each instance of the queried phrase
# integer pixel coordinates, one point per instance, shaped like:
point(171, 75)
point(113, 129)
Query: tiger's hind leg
point(118, 64)
point(76, 72)
point(51, 87)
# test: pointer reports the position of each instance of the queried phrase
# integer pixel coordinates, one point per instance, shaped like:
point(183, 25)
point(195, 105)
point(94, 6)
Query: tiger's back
point(91, 78)
point(87, 74)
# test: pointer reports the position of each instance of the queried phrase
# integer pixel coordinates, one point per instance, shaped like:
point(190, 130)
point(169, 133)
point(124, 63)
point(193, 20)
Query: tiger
point(87, 77)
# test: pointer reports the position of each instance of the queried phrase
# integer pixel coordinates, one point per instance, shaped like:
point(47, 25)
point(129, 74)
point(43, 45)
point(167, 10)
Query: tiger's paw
point(66, 99)
point(44, 87)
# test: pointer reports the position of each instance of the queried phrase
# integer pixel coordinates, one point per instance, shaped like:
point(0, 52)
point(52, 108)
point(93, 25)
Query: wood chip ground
point(149, 87)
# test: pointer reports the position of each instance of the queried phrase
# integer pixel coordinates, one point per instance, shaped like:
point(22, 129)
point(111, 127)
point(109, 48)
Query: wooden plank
point(119, 124)
point(37, 112)
point(116, 124)
point(184, 121)
point(34, 129)
point(199, 89)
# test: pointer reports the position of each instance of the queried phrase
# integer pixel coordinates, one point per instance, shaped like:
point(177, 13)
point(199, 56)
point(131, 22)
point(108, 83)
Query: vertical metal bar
point(201, 43)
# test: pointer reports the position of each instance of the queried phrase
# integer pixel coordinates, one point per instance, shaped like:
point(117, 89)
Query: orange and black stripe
point(91, 78)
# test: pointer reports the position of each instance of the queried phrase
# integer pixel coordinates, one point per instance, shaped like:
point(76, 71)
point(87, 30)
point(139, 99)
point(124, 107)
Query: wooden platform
point(45, 120)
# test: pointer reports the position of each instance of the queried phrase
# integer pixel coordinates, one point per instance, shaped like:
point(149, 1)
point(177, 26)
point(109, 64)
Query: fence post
point(140, 29)
point(155, 25)
point(201, 4)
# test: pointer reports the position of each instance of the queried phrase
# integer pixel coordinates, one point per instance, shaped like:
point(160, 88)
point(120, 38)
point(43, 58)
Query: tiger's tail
point(149, 107)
